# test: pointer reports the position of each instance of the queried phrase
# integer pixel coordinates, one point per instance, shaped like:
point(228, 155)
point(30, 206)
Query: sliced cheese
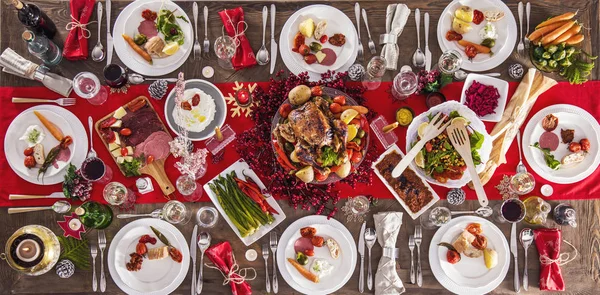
point(129, 150)
point(120, 160)
point(116, 153)
point(117, 138)
point(120, 112)
point(113, 146)
point(128, 159)
point(320, 56)
point(117, 124)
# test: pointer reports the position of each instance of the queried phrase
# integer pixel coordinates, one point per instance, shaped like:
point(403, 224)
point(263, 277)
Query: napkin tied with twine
point(235, 26)
point(396, 16)
point(76, 44)
point(387, 226)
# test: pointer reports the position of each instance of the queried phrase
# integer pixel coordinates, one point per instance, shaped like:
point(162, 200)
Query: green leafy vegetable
point(133, 168)
point(548, 157)
point(454, 114)
point(33, 135)
point(476, 139)
point(432, 86)
point(329, 157)
point(166, 23)
point(160, 236)
point(75, 250)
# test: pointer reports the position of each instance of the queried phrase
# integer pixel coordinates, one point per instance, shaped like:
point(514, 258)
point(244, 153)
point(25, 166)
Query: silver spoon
point(203, 244)
point(58, 207)
point(92, 152)
point(481, 211)
point(370, 238)
point(154, 214)
point(461, 75)
point(262, 56)
point(526, 238)
point(418, 58)
point(135, 78)
point(520, 167)
point(98, 51)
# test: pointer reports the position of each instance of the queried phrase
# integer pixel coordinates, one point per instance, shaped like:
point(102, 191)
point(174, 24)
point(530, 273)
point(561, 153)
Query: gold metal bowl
point(51, 251)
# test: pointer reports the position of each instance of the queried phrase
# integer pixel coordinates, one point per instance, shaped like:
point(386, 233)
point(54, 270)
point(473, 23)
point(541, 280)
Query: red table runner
point(378, 100)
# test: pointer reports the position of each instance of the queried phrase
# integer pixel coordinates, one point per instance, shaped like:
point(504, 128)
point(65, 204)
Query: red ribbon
point(76, 45)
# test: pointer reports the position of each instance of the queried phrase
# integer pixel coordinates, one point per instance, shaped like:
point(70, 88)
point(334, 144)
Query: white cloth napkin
point(387, 226)
point(396, 17)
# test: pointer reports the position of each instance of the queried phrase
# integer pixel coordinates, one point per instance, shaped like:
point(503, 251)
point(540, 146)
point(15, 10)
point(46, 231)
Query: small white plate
point(502, 87)
point(156, 277)
point(506, 29)
point(343, 265)
point(242, 167)
point(569, 117)
point(412, 167)
point(466, 282)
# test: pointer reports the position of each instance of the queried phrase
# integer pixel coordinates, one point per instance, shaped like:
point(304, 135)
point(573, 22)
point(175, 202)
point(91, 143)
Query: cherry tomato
point(335, 108)
point(323, 39)
point(350, 152)
point(477, 17)
point(195, 99)
point(310, 59)
point(428, 147)
point(480, 242)
point(175, 254)
point(285, 110)
point(453, 36)
point(304, 49)
point(471, 51)
point(28, 151)
point(335, 168)
point(320, 177)
point(356, 157)
point(309, 252)
point(124, 151)
point(125, 131)
point(574, 147)
point(316, 91)
point(474, 229)
point(29, 162)
point(585, 144)
point(299, 39)
point(141, 249)
point(149, 159)
point(340, 99)
point(186, 106)
point(452, 256)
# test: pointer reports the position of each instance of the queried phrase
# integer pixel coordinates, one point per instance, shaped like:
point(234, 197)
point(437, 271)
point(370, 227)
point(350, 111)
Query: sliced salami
point(549, 140)
point(330, 57)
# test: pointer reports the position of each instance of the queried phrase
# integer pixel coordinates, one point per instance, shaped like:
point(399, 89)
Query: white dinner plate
point(286, 52)
point(127, 23)
point(156, 276)
point(569, 117)
point(68, 123)
point(343, 265)
point(506, 29)
point(469, 275)
point(475, 123)
point(240, 167)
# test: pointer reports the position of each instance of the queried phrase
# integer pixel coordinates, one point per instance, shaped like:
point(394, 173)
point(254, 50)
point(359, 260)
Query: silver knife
point(515, 252)
point(193, 254)
point(427, 52)
point(273, 43)
point(56, 195)
point(109, 38)
point(361, 251)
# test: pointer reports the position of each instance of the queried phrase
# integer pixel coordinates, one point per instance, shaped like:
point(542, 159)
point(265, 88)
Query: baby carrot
point(137, 49)
point(564, 16)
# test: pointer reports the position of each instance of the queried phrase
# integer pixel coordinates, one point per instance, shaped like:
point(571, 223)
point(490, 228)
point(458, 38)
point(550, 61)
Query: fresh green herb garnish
point(166, 23)
point(548, 157)
point(133, 168)
point(69, 182)
point(329, 157)
point(33, 136)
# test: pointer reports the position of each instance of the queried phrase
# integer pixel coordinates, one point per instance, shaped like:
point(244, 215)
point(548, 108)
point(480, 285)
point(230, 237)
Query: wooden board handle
point(157, 170)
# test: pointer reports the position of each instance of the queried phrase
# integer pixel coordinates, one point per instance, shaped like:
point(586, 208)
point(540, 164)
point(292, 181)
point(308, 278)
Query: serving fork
point(273, 244)
point(265, 253)
point(197, 50)
point(418, 239)
point(520, 47)
point(372, 47)
point(411, 247)
point(360, 56)
point(64, 101)
point(206, 43)
point(102, 245)
point(94, 252)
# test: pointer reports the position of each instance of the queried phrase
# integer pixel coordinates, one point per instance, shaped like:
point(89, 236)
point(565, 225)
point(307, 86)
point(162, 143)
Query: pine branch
point(75, 250)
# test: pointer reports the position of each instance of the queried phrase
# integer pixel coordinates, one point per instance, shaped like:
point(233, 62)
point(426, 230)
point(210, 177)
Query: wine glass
point(176, 212)
point(375, 70)
point(93, 169)
point(405, 83)
point(225, 47)
point(115, 193)
point(188, 188)
point(87, 86)
point(435, 218)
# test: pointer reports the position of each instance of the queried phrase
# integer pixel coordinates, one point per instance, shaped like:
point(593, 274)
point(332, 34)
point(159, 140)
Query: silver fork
point(265, 253)
point(197, 51)
point(527, 12)
point(94, 252)
point(418, 239)
point(64, 101)
point(206, 43)
point(372, 47)
point(360, 56)
point(520, 47)
point(102, 245)
point(411, 247)
point(273, 244)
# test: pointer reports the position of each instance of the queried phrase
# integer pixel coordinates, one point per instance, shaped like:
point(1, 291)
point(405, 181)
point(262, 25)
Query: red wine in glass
point(93, 169)
point(115, 76)
point(513, 210)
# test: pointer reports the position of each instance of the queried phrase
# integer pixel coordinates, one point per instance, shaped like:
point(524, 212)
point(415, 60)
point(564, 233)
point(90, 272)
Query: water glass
point(405, 84)
point(87, 86)
point(225, 48)
point(115, 193)
point(115, 76)
point(207, 217)
point(375, 70)
point(450, 61)
point(435, 218)
point(176, 212)
point(188, 188)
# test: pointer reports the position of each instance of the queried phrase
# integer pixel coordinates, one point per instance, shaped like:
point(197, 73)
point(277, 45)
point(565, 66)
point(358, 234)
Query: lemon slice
point(352, 131)
point(171, 48)
point(420, 159)
point(459, 120)
point(421, 129)
point(348, 115)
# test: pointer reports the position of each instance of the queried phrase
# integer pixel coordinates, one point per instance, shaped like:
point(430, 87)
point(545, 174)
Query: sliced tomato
point(319, 176)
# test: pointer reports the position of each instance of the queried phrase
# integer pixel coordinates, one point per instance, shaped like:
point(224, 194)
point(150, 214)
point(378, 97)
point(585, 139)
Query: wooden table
point(581, 275)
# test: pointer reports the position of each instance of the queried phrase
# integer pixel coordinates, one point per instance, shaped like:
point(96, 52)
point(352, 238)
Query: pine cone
point(356, 72)
point(456, 196)
point(158, 89)
point(65, 268)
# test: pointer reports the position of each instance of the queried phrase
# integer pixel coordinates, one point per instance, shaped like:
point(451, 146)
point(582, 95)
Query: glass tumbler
point(405, 83)
point(188, 188)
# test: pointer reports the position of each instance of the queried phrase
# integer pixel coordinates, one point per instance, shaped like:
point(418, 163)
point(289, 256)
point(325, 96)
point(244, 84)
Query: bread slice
point(158, 253)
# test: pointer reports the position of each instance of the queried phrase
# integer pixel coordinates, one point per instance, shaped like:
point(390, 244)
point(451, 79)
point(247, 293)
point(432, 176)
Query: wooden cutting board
point(156, 169)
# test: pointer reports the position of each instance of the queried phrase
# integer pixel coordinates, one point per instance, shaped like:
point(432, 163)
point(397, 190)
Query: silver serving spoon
point(526, 238)
point(58, 207)
point(98, 51)
point(92, 152)
point(418, 58)
point(370, 238)
point(135, 78)
point(203, 244)
point(157, 213)
point(481, 211)
point(262, 56)
point(520, 167)
point(461, 75)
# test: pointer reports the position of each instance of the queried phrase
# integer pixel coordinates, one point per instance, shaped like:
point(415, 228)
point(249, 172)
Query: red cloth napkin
point(222, 257)
point(244, 55)
point(547, 241)
point(76, 45)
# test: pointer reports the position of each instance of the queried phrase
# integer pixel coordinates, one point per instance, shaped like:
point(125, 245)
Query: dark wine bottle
point(34, 18)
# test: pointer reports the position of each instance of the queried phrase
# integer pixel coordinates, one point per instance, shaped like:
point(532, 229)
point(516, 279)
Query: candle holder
point(387, 139)
point(215, 145)
point(33, 265)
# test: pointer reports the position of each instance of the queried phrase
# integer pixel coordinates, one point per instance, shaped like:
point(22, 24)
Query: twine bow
point(76, 24)
point(562, 259)
point(240, 274)
point(235, 30)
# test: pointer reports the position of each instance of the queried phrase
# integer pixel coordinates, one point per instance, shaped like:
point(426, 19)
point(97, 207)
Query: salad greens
point(548, 157)
point(133, 168)
point(329, 157)
point(166, 23)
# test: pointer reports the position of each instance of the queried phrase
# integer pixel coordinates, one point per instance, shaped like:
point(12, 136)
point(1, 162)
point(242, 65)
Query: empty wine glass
point(188, 188)
point(405, 83)
point(115, 193)
point(436, 217)
point(176, 212)
point(375, 70)
point(225, 47)
point(88, 87)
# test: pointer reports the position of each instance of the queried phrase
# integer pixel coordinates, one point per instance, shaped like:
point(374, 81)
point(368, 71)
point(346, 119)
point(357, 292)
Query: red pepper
point(282, 157)
point(353, 146)
point(253, 192)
